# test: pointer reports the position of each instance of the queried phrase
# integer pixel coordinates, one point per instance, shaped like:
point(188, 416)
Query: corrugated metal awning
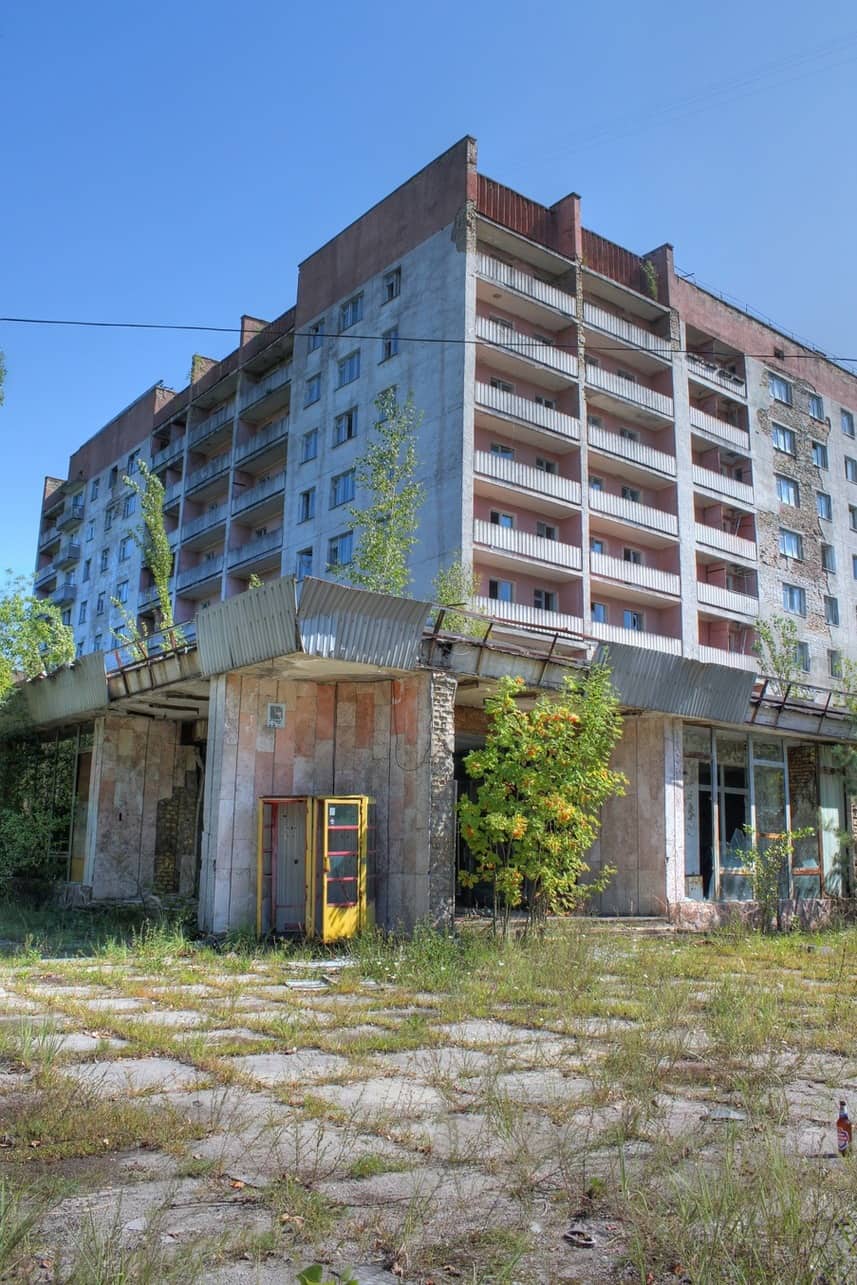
point(249, 628)
point(70, 692)
point(341, 623)
point(672, 685)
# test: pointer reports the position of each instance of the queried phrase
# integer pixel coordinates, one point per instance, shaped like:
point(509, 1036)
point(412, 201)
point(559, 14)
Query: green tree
point(386, 525)
point(776, 646)
point(154, 544)
point(33, 638)
point(456, 586)
point(543, 776)
point(767, 862)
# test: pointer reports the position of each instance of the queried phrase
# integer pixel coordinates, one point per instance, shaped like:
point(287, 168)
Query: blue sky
point(173, 162)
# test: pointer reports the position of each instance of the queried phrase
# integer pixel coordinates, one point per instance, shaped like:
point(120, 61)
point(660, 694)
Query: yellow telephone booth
point(316, 866)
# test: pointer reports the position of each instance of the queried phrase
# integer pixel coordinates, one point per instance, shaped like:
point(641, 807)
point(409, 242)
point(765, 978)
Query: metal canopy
point(672, 685)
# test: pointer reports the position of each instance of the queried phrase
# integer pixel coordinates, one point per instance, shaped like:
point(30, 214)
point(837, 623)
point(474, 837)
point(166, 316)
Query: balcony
point(68, 555)
point(636, 336)
point(626, 448)
point(714, 595)
point(274, 380)
point(173, 493)
point(629, 391)
point(213, 517)
point(524, 544)
point(636, 638)
point(148, 597)
point(169, 453)
point(632, 511)
point(270, 543)
point(735, 659)
point(215, 467)
point(515, 613)
point(269, 436)
point(526, 348)
point(254, 495)
point(64, 594)
point(720, 430)
point(49, 537)
point(45, 576)
point(716, 376)
point(723, 485)
point(222, 416)
point(204, 570)
point(633, 573)
point(725, 542)
point(527, 411)
point(525, 284)
point(71, 516)
point(522, 477)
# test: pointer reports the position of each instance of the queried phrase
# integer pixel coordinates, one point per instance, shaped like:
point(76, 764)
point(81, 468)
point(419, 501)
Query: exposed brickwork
point(175, 837)
point(442, 824)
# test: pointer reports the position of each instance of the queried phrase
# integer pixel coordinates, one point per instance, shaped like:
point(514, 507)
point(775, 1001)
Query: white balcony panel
point(276, 432)
point(629, 391)
point(725, 541)
point(712, 481)
point(275, 379)
point(213, 468)
point(527, 545)
point(262, 490)
point(720, 429)
point(631, 511)
point(603, 320)
point(525, 284)
point(527, 347)
point(202, 571)
point(516, 613)
point(636, 638)
point(718, 375)
point(525, 409)
point(223, 415)
point(714, 595)
point(169, 453)
point(627, 449)
point(526, 478)
point(205, 520)
point(735, 659)
point(256, 548)
point(635, 574)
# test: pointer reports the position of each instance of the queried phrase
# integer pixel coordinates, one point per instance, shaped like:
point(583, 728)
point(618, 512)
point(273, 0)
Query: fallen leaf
point(237, 1185)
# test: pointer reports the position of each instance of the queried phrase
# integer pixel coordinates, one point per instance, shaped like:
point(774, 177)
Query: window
point(306, 505)
point(93, 488)
point(852, 516)
point(834, 664)
point(847, 421)
point(850, 468)
point(315, 336)
point(823, 505)
point(783, 439)
point(794, 600)
point(66, 616)
point(819, 455)
point(633, 620)
point(122, 591)
point(502, 323)
point(125, 548)
point(109, 515)
point(351, 312)
point(546, 466)
point(626, 374)
point(79, 651)
point(81, 615)
point(549, 403)
point(599, 613)
point(114, 476)
point(99, 604)
point(502, 519)
point(501, 590)
point(312, 390)
point(105, 559)
point(544, 599)
point(87, 569)
point(389, 344)
point(90, 529)
point(791, 544)
point(546, 530)
point(596, 546)
point(129, 505)
point(854, 565)
point(348, 368)
point(816, 406)
point(303, 563)
point(632, 555)
point(831, 610)
point(339, 549)
point(345, 426)
point(342, 488)
point(780, 389)
point(631, 493)
point(97, 642)
point(828, 558)
point(629, 434)
point(502, 385)
point(787, 491)
point(802, 656)
point(392, 285)
point(596, 483)
point(309, 446)
point(505, 452)
point(594, 421)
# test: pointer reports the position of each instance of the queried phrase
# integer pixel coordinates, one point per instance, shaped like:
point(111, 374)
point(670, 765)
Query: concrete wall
point(390, 739)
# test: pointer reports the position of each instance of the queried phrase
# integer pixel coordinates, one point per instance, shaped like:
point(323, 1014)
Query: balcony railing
point(276, 432)
point(525, 544)
point(256, 548)
point(629, 390)
point(525, 284)
point(527, 347)
point(633, 511)
point(68, 554)
point(44, 576)
point(636, 638)
point(72, 515)
point(221, 416)
point(65, 593)
point(525, 477)
point(636, 335)
point(202, 571)
point(716, 374)
point(49, 537)
point(273, 380)
point(725, 541)
point(168, 454)
point(261, 491)
point(730, 486)
point(525, 409)
point(720, 429)
point(516, 613)
point(715, 595)
point(214, 468)
point(628, 449)
point(736, 659)
point(634, 573)
point(205, 520)
point(173, 492)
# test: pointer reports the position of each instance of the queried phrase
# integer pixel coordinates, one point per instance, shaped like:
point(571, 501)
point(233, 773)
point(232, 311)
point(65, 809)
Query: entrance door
point(284, 865)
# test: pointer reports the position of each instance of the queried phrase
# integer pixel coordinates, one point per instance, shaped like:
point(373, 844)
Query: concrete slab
point(174, 1017)
point(114, 1004)
point(486, 1031)
point(80, 1042)
point(291, 1068)
point(440, 1063)
point(393, 1095)
point(133, 1075)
